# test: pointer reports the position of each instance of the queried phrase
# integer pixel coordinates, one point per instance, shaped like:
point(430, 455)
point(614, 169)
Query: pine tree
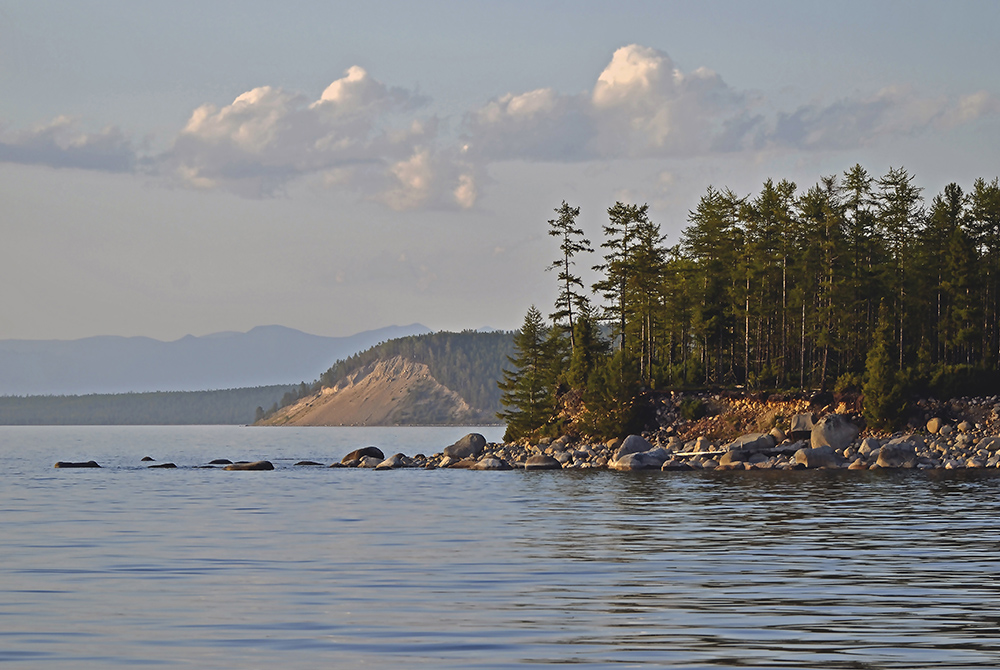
point(883, 396)
point(572, 242)
point(527, 390)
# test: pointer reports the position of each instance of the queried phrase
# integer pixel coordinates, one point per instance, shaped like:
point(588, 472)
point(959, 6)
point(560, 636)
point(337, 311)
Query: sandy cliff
point(388, 392)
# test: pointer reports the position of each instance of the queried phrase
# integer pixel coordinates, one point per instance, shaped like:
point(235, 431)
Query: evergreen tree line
point(856, 283)
point(230, 406)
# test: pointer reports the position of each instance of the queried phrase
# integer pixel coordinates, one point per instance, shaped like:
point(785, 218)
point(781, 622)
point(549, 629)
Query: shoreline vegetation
point(852, 287)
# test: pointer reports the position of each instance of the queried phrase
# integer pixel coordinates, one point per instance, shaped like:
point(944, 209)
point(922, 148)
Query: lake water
point(307, 567)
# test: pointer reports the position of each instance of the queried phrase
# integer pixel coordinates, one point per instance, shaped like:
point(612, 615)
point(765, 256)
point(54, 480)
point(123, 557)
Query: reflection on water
point(299, 568)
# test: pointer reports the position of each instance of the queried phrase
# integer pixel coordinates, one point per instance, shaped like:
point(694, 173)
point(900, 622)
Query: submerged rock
point(255, 465)
point(161, 465)
point(73, 464)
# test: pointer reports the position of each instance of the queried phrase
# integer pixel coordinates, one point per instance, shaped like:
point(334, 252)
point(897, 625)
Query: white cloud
point(364, 136)
point(352, 136)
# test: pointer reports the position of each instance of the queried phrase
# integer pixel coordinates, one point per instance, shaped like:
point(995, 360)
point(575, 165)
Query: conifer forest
point(857, 283)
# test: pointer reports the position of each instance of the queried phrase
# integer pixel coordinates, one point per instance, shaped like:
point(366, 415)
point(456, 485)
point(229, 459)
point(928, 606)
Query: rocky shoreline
point(706, 432)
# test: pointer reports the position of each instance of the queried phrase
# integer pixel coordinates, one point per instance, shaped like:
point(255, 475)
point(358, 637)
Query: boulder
point(541, 462)
point(74, 464)
point(370, 462)
point(220, 461)
point(818, 457)
point(161, 465)
point(491, 463)
point(308, 463)
point(946, 430)
point(801, 426)
point(733, 456)
point(965, 427)
point(778, 435)
point(934, 425)
point(464, 464)
point(752, 442)
point(394, 461)
point(631, 462)
point(675, 464)
point(633, 444)
point(868, 445)
point(833, 430)
point(146, 459)
point(702, 444)
point(989, 444)
point(358, 454)
point(255, 465)
point(470, 446)
point(898, 453)
point(858, 464)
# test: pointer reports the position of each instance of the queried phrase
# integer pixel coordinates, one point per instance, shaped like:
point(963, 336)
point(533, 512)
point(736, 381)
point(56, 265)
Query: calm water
point(318, 567)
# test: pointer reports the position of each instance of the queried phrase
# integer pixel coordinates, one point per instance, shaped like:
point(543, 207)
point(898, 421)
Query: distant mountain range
point(264, 356)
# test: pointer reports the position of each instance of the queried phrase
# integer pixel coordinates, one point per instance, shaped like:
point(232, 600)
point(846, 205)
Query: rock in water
point(833, 430)
point(358, 454)
point(898, 453)
point(633, 444)
point(161, 465)
point(72, 464)
point(470, 446)
point(541, 462)
point(491, 463)
point(817, 457)
point(256, 465)
point(394, 461)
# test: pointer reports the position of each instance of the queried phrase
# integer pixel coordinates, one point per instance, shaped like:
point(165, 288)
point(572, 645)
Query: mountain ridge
point(108, 364)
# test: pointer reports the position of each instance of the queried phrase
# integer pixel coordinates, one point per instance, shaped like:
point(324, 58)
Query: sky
point(174, 168)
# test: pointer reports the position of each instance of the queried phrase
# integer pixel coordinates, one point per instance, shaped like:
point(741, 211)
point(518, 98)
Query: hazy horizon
point(333, 167)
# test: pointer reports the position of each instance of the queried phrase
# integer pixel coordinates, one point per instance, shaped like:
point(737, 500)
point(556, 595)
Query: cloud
point(360, 135)
point(369, 138)
point(59, 144)
point(641, 106)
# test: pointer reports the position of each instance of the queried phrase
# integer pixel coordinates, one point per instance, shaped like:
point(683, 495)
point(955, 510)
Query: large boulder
point(255, 465)
point(491, 463)
point(633, 444)
point(358, 454)
point(801, 427)
point(631, 462)
point(752, 442)
point(733, 456)
point(833, 430)
point(470, 446)
point(541, 462)
point(818, 457)
point(899, 453)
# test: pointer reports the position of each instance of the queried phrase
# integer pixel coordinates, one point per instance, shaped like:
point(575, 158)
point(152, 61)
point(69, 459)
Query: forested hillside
point(854, 283)
point(469, 363)
point(232, 406)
